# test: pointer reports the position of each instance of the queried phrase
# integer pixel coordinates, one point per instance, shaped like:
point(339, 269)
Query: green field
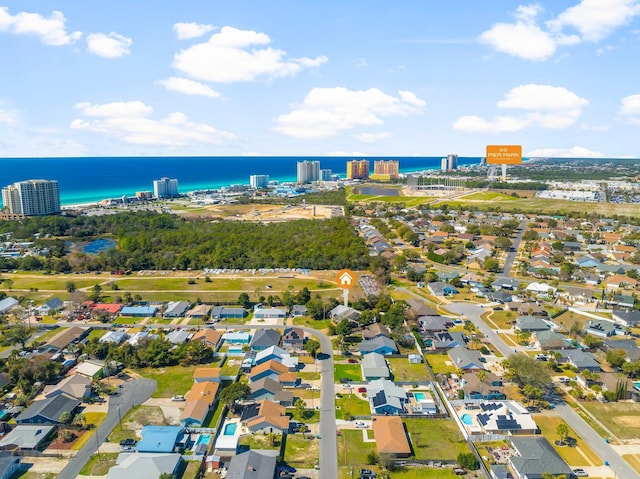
point(352, 450)
point(408, 201)
point(99, 464)
point(172, 380)
point(621, 418)
point(404, 371)
point(488, 196)
point(348, 371)
point(437, 439)
point(301, 452)
point(353, 405)
point(580, 455)
point(440, 364)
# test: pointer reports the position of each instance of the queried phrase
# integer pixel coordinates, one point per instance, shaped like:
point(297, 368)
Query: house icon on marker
point(345, 279)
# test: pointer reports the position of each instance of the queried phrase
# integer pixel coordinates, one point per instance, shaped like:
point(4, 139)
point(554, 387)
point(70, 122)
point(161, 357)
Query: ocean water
point(86, 180)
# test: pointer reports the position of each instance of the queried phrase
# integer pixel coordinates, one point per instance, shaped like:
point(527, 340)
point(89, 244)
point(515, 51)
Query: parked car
point(459, 471)
point(352, 361)
point(345, 380)
point(128, 442)
point(580, 473)
point(360, 424)
point(178, 398)
point(287, 469)
point(362, 390)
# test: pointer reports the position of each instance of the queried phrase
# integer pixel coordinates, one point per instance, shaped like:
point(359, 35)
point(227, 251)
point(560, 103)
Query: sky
point(316, 78)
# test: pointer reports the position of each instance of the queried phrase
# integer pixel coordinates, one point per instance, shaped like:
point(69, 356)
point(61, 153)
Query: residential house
point(531, 324)
point(237, 338)
point(26, 437)
point(9, 465)
point(7, 304)
point(293, 338)
point(220, 313)
point(91, 368)
point(620, 281)
point(341, 312)
point(251, 465)
point(490, 388)
point(265, 388)
point(587, 261)
point(146, 465)
point(622, 300)
point(374, 330)
point(548, 340)
point(434, 324)
point(160, 439)
point(374, 366)
point(529, 308)
point(391, 436)
point(627, 345)
point(199, 401)
point(179, 336)
point(140, 336)
point(76, 385)
point(618, 383)
point(603, 328)
point(630, 319)
point(418, 308)
point(210, 337)
point(271, 368)
point(52, 306)
point(501, 296)
point(268, 313)
point(465, 359)
point(380, 344)
point(439, 288)
point(176, 309)
point(535, 457)
point(448, 340)
point(116, 337)
point(139, 311)
point(49, 410)
point(265, 338)
point(385, 397)
point(579, 296)
point(506, 417)
point(541, 289)
point(265, 417)
point(509, 284)
point(278, 354)
point(64, 338)
point(299, 310)
point(579, 360)
point(199, 311)
point(206, 374)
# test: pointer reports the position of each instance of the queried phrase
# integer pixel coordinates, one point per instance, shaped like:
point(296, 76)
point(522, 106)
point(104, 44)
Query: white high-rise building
point(449, 163)
point(32, 198)
point(165, 187)
point(308, 171)
point(259, 181)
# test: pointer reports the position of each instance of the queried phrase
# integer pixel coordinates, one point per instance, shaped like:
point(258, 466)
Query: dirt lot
point(267, 213)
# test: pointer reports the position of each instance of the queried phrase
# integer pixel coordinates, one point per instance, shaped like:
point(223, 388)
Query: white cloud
point(575, 152)
point(189, 87)
point(595, 19)
point(51, 30)
point(234, 55)
point(592, 19)
point(520, 40)
point(187, 31)
point(112, 45)
point(373, 137)
point(8, 117)
point(630, 105)
point(129, 122)
point(326, 112)
point(543, 105)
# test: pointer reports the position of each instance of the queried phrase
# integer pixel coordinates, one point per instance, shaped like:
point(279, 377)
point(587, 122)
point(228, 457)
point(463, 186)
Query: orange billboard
point(504, 154)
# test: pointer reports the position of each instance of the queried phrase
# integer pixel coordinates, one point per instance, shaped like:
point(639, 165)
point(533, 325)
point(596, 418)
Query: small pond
point(378, 191)
point(94, 247)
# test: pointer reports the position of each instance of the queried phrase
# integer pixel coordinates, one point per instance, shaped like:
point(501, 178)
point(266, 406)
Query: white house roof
point(7, 303)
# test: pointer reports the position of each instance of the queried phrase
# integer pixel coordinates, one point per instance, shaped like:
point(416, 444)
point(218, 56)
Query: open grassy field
point(220, 283)
point(437, 439)
point(408, 201)
point(172, 380)
point(99, 464)
point(488, 196)
point(46, 336)
point(348, 371)
point(352, 450)
point(135, 419)
point(440, 364)
point(300, 452)
point(622, 418)
point(404, 371)
point(633, 460)
point(580, 455)
point(500, 319)
point(351, 404)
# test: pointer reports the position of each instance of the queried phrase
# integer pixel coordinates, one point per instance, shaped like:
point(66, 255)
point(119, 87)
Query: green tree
point(95, 293)
point(234, 392)
point(9, 284)
point(19, 333)
point(468, 461)
point(312, 346)
point(70, 286)
point(65, 417)
point(491, 264)
point(562, 430)
point(197, 352)
point(616, 357)
point(244, 300)
point(344, 327)
point(301, 407)
point(526, 370)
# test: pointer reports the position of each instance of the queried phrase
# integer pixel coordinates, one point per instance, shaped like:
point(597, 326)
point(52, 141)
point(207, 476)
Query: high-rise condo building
point(259, 181)
point(386, 170)
point(32, 198)
point(165, 187)
point(325, 174)
point(449, 163)
point(358, 169)
point(308, 171)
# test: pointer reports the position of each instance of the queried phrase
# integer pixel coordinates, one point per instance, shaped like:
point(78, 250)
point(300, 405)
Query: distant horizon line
point(312, 156)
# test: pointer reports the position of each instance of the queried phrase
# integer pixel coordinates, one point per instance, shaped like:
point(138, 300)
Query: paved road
point(584, 431)
point(511, 256)
point(131, 394)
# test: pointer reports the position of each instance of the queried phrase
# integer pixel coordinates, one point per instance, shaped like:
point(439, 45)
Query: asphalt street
point(619, 466)
point(130, 394)
point(511, 256)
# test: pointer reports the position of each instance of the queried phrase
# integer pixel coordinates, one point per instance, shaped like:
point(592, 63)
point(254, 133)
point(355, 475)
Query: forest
point(148, 240)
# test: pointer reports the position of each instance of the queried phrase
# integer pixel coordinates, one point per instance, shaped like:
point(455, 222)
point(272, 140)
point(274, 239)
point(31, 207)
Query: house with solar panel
point(505, 417)
point(386, 398)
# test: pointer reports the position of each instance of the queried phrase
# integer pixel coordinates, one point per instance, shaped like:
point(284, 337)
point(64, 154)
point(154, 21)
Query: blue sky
point(352, 78)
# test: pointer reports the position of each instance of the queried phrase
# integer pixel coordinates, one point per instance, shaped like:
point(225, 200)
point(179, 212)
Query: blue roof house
point(139, 311)
point(380, 344)
point(159, 438)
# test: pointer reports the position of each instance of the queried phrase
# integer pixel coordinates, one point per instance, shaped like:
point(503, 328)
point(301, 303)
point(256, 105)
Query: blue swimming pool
point(203, 439)
point(419, 396)
point(467, 419)
point(230, 429)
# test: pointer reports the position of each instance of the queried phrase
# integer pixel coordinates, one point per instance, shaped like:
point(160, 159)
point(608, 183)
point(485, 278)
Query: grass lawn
point(352, 450)
point(351, 404)
point(633, 460)
point(488, 196)
point(25, 474)
point(172, 380)
point(416, 472)
point(94, 418)
point(404, 371)
point(259, 441)
point(501, 319)
point(320, 324)
point(310, 376)
point(137, 417)
point(569, 318)
point(623, 419)
point(308, 417)
point(99, 464)
point(46, 336)
point(213, 422)
point(230, 367)
point(580, 455)
point(438, 363)
point(191, 470)
point(82, 440)
point(235, 284)
point(300, 452)
point(97, 333)
point(435, 439)
point(348, 371)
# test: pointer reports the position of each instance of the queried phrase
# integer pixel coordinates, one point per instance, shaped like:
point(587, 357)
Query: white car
point(347, 386)
point(360, 424)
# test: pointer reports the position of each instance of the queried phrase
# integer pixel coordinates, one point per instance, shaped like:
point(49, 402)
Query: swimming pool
point(230, 429)
point(467, 419)
point(419, 396)
point(203, 439)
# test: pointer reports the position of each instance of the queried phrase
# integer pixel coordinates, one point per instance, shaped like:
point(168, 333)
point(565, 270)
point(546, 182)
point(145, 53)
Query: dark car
point(345, 380)
point(459, 472)
point(287, 469)
point(128, 442)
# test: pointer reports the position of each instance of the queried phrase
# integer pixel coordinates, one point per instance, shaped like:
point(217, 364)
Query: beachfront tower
point(165, 187)
point(386, 170)
point(259, 181)
point(308, 172)
point(358, 169)
point(32, 198)
point(450, 163)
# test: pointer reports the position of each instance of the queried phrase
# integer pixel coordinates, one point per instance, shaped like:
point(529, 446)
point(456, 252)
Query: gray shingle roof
point(251, 465)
